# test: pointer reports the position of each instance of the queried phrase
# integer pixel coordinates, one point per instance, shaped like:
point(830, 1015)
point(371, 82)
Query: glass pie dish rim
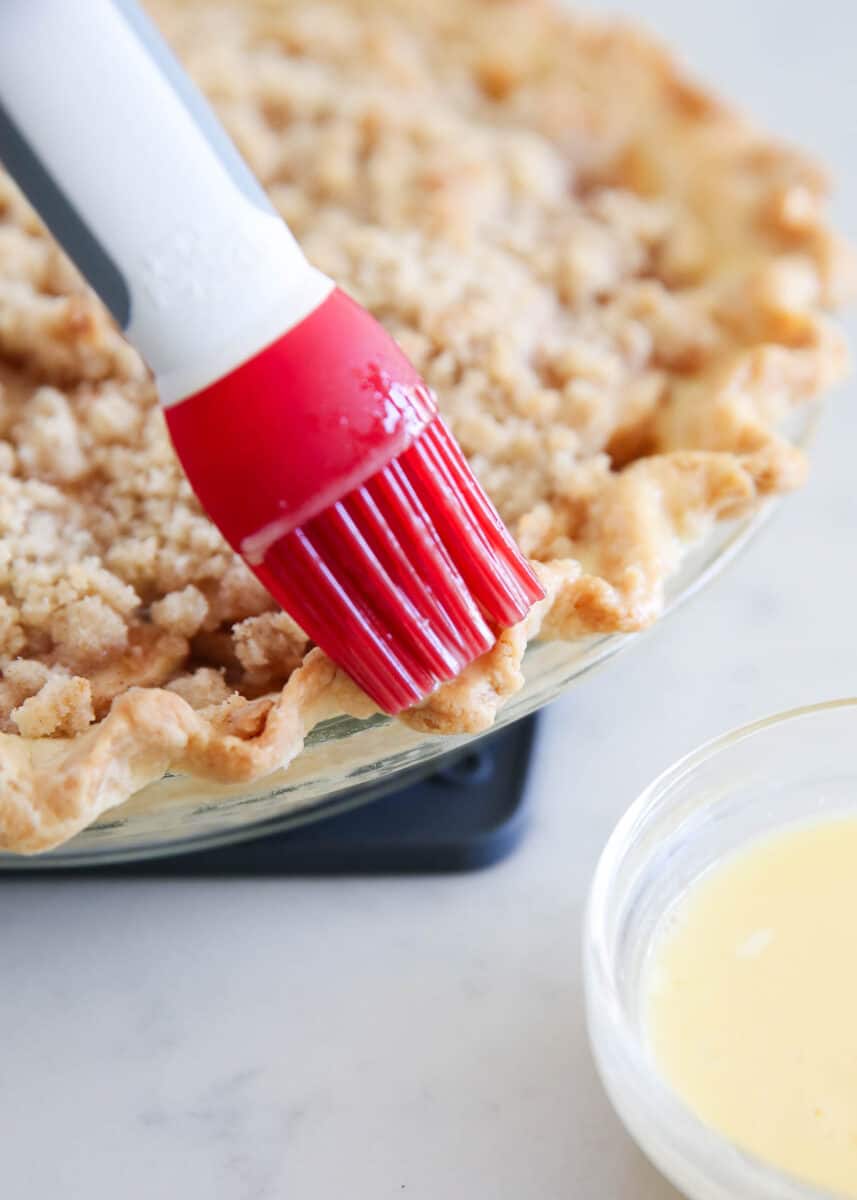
point(213, 810)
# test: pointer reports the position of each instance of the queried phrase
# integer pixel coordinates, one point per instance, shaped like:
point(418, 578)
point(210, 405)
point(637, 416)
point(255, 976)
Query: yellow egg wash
point(751, 1000)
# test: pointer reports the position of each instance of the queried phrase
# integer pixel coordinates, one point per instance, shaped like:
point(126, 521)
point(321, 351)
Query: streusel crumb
point(183, 612)
point(62, 706)
point(202, 688)
point(616, 286)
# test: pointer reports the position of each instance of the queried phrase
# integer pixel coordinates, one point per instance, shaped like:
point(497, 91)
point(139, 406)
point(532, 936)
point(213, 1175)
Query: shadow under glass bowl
point(347, 762)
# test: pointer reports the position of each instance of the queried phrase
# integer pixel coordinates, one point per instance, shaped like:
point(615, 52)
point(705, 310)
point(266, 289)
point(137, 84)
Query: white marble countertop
point(424, 1038)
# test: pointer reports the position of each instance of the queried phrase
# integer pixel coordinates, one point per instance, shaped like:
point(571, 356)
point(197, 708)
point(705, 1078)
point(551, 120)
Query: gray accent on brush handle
point(194, 102)
point(60, 215)
point(63, 219)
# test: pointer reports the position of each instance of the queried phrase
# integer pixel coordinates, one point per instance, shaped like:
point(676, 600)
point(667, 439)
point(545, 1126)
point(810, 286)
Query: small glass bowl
point(788, 769)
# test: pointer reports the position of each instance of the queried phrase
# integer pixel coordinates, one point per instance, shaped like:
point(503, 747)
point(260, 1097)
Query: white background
point(424, 1038)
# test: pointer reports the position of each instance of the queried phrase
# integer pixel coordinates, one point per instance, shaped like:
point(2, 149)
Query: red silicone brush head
point(405, 580)
point(324, 462)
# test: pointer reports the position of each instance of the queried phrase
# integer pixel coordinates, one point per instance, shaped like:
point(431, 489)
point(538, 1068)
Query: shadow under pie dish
point(619, 297)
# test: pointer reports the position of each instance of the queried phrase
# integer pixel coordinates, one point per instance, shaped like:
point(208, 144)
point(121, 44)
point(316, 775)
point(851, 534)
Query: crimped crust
point(616, 286)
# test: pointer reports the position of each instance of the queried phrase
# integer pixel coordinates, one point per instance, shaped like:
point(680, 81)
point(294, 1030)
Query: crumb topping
point(616, 286)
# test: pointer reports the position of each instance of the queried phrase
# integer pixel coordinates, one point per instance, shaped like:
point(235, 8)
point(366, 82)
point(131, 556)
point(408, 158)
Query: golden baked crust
point(615, 284)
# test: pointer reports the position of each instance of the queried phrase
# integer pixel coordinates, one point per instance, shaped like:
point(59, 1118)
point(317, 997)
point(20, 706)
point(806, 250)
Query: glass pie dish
point(346, 762)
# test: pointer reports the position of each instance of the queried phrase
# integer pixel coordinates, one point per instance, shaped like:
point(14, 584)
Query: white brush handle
point(135, 177)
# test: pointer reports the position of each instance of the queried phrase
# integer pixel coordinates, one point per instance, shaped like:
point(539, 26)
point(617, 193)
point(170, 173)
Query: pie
point(617, 287)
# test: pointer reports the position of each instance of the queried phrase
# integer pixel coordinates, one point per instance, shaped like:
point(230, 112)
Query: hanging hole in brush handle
point(133, 174)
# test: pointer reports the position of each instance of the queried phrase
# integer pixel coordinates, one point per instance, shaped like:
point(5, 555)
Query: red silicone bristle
point(506, 592)
point(404, 581)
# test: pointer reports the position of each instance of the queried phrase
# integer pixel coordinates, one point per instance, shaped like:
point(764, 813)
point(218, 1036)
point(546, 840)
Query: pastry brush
point(307, 435)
